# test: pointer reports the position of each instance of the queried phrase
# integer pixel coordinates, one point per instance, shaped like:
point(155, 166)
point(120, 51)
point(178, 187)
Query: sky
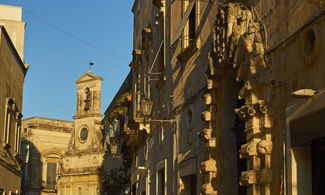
point(61, 38)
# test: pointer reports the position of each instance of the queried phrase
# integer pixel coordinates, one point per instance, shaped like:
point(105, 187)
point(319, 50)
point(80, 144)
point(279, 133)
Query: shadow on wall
point(31, 180)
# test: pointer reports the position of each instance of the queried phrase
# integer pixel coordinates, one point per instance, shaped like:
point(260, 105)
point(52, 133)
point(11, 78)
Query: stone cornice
point(48, 124)
point(78, 172)
point(87, 116)
point(84, 152)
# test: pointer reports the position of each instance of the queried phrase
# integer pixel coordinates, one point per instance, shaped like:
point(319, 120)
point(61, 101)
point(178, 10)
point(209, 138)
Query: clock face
point(84, 134)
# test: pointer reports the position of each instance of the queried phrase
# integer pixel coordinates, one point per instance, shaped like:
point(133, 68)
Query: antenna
point(90, 64)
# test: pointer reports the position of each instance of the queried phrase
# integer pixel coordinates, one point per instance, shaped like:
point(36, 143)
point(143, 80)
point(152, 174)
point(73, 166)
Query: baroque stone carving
point(248, 178)
point(206, 116)
point(265, 147)
point(250, 110)
point(208, 166)
point(212, 143)
point(253, 148)
point(208, 189)
point(240, 39)
point(248, 150)
point(205, 135)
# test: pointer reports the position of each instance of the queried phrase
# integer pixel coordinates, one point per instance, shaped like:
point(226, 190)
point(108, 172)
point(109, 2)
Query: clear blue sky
point(56, 59)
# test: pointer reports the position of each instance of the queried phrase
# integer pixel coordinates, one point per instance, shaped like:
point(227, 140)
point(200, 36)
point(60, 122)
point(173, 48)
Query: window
point(188, 24)
point(51, 175)
point(12, 119)
point(161, 182)
point(7, 126)
point(161, 177)
point(87, 100)
point(188, 185)
point(17, 133)
point(189, 34)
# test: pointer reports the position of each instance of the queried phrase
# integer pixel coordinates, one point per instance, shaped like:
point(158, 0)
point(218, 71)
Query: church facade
point(72, 157)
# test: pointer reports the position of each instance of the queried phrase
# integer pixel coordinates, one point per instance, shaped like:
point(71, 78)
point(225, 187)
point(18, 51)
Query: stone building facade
point(226, 98)
point(12, 74)
point(117, 143)
point(65, 157)
point(43, 144)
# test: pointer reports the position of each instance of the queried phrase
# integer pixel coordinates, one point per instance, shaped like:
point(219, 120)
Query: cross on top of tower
point(90, 64)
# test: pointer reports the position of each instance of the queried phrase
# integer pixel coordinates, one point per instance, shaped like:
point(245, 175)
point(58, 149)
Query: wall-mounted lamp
point(302, 93)
point(146, 107)
point(113, 147)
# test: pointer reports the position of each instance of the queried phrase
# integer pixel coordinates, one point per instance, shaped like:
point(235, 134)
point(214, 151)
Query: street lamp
point(146, 107)
point(302, 93)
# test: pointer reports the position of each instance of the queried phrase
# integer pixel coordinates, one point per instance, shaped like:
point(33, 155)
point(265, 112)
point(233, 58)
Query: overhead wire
point(74, 37)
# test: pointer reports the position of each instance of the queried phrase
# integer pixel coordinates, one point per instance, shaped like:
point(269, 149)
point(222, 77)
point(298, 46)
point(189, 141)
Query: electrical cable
point(74, 37)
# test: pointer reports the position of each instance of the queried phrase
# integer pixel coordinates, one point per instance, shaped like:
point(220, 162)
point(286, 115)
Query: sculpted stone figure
point(240, 40)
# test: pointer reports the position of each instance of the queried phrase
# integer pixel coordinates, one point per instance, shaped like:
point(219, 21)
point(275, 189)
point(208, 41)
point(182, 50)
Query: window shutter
point(183, 22)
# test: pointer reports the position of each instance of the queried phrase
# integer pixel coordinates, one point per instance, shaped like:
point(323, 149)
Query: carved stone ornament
point(211, 83)
point(205, 135)
point(251, 110)
point(248, 150)
point(251, 177)
point(208, 189)
point(253, 148)
point(265, 147)
point(240, 39)
point(208, 98)
point(208, 166)
point(206, 116)
point(212, 143)
point(248, 178)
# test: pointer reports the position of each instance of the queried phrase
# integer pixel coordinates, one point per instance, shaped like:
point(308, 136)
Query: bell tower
point(88, 96)
point(87, 134)
point(80, 171)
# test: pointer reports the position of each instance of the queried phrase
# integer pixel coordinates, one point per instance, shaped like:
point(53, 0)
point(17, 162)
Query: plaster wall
point(10, 17)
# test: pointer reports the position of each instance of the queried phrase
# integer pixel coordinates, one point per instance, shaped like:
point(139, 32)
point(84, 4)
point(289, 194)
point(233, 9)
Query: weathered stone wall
point(248, 58)
point(11, 86)
point(43, 140)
